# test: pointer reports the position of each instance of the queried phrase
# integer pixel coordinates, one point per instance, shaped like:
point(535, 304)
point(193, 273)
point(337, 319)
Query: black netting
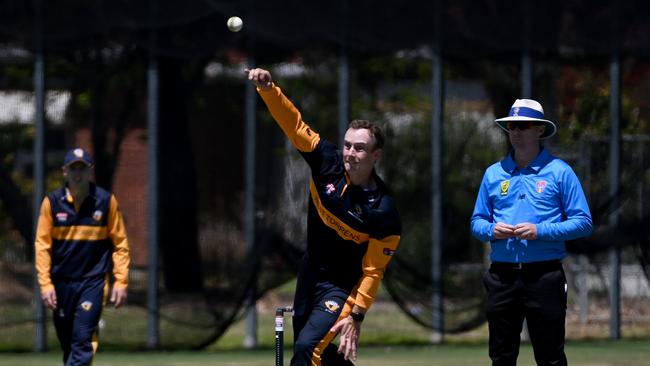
point(573, 29)
point(96, 76)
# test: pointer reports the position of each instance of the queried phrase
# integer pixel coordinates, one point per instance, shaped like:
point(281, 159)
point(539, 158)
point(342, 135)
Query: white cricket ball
point(235, 24)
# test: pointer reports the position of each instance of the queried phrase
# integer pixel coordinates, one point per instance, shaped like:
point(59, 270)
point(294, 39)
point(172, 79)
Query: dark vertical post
point(153, 314)
point(40, 342)
point(343, 71)
point(250, 131)
point(526, 58)
point(436, 177)
point(614, 171)
point(526, 79)
point(250, 339)
point(583, 260)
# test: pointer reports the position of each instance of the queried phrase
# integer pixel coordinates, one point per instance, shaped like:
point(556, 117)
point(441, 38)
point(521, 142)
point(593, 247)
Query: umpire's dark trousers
point(76, 319)
point(534, 291)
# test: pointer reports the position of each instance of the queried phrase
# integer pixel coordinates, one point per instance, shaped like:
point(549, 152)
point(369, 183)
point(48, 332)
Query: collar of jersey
point(536, 165)
point(70, 199)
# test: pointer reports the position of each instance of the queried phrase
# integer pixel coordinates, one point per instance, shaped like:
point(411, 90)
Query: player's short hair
point(375, 131)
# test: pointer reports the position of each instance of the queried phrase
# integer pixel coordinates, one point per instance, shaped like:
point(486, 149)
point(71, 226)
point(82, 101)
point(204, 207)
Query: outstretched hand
point(262, 78)
point(349, 331)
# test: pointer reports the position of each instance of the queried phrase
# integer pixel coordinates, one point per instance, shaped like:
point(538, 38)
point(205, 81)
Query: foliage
point(101, 56)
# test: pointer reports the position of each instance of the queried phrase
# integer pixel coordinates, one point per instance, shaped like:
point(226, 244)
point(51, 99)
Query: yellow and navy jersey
point(80, 240)
point(352, 233)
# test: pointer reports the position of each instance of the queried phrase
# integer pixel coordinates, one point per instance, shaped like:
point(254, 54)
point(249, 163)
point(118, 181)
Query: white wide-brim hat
point(527, 110)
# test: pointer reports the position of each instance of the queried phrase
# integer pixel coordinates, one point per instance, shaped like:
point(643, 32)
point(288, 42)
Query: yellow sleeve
point(374, 265)
point(117, 233)
point(290, 120)
point(43, 246)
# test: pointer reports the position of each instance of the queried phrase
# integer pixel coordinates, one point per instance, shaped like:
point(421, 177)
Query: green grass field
point(601, 353)
point(388, 338)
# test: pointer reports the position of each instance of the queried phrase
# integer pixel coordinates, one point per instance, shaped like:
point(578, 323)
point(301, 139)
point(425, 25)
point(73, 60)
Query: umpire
point(528, 204)
point(80, 237)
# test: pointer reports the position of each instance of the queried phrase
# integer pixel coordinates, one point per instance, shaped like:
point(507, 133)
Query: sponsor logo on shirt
point(343, 230)
point(505, 185)
point(540, 185)
point(389, 252)
point(86, 305)
point(357, 212)
point(333, 222)
point(97, 215)
point(332, 305)
point(329, 189)
point(61, 216)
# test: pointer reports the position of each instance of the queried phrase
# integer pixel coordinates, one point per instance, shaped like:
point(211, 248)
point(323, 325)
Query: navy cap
point(78, 155)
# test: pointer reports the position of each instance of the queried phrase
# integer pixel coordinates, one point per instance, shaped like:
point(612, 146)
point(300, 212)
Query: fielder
point(80, 237)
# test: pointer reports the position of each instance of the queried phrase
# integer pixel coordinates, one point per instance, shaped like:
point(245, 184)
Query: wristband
point(357, 317)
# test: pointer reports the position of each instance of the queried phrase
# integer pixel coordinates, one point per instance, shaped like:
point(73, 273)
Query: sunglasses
point(521, 125)
point(78, 167)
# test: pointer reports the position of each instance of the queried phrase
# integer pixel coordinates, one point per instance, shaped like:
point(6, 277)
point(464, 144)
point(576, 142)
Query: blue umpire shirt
point(546, 193)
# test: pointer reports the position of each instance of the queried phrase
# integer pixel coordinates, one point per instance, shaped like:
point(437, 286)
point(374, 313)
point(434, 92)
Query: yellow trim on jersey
point(290, 120)
point(374, 265)
point(43, 247)
point(121, 256)
point(95, 338)
point(79, 232)
point(107, 288)
point(333, 222)
point(95, 344)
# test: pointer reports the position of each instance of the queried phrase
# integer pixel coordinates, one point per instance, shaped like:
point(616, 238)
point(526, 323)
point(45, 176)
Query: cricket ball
point(235, 24)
